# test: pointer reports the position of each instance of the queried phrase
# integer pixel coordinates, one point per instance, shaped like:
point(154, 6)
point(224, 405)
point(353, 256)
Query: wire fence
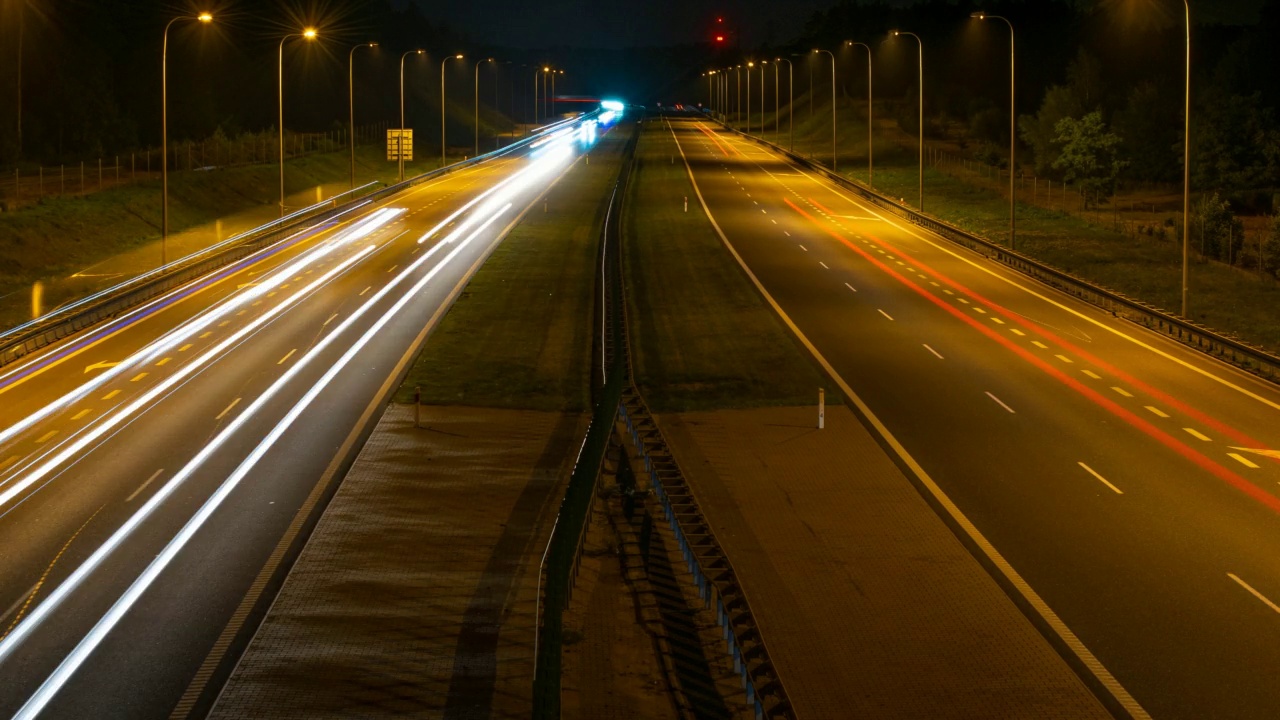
point(22, 184)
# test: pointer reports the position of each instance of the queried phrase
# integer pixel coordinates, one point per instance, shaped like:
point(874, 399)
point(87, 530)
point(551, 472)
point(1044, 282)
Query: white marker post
point(822, 408)
point(686, 203)
point(417, 407)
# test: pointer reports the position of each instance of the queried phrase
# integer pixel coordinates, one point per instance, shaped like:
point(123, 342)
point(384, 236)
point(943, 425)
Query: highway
point(152, 469)
point(1117, 483)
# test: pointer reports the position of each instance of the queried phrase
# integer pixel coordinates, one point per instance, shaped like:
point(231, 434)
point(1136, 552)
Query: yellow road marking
point(204, 334)
point(286, 356)
point(185, 348)
point(1064, 359)
point(1196, 434)
point(1253, 592)
point(224, 323)
point(227, 409)
point(137, 377)
point(1092, 374)
point(8, 461)
point(111, 394)
point(1243, 460)
point(996, 320)
point(1157, 411)
point(45, 437)
point(1101, 479)
point(163, 362)
point(1016, 331)
point(1122, 391)
point(82, 413)
point(1039, 344)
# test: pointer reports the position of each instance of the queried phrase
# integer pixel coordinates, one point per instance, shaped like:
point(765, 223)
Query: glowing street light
point(495, 81)
point(307, 34)
point(400, 145)
point(749, 66)
point(870, 154)
point(833, 103)
point(1012, 135)
point(920, 56)
point(351, 105)
point(443, 160)
point(204, 18)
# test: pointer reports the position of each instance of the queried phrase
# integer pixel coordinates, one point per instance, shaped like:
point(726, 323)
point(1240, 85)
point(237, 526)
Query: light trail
point(491, 211)
point(206, 318)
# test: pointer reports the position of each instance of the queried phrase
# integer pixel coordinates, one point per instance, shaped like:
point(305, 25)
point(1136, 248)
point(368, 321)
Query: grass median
point(702, 336)
point(520, 334)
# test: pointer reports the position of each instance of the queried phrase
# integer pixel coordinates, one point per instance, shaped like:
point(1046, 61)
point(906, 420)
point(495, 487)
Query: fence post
point(82, 176)
point(117, 169)
point(62, 180)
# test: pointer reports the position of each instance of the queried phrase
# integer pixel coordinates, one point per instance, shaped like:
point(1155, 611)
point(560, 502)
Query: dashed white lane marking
point(1243, 460)
point(784, 232)
point(1253, 592)
point(824, 265)
point(1157, 411)
point(851, 287)
point(1092, 374)
point(1101, 479)
point(287, 355)
point(775, 222)
point(996, 320)
point(1196, 434)
point(144, 485)
point(227, 409)
point(966, 302)
point(1000, 402)
point(803, 248)
point(885, 313)
point(1122, 391)
point(935, 352)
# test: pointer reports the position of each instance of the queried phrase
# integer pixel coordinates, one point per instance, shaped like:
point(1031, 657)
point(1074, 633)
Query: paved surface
point(870, 605)
point(1102, 461)
point(416, 593)
point(152, 468)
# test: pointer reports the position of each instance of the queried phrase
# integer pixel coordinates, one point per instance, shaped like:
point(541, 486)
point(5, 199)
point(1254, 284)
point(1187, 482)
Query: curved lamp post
point(164, 131)
point(307, 34)
point(1012, 132)
point(871, 176)
point(833, 104)
point(791, 103)
point(351, 105)
point(495, 92)
point(1186, 164)
point(443, 159)
point(920, 60)
point(400, 147)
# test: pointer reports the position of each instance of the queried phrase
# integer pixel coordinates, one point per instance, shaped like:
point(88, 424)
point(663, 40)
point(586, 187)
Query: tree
point(1215, 229)
point(1089, 154)
point(1082, 92)
point(1236, 145)
point(1271, 247)
point(1149, 123)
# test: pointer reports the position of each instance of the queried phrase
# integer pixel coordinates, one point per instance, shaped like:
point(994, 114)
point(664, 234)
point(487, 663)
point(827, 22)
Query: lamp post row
point(306, 34)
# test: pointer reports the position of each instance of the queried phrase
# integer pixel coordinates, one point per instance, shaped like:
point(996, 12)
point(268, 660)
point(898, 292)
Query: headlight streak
point(189, 328)
point(94, 637)
point(110, 421)
point(87, 644)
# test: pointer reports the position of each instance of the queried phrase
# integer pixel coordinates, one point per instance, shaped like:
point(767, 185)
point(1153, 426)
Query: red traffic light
point(719, 38)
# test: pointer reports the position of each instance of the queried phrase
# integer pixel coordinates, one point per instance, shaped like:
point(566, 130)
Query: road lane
point(364, 303)
point(1032, 388)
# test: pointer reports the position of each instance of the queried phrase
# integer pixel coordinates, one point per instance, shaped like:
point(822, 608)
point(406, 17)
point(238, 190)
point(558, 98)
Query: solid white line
point(851, 287)
point(227, 409)
point(1101, 479)
point(1001, 402)
point(885, 313)
point(935, 352)
point(1051, 618)
point(144, 485)
point(1254, 592)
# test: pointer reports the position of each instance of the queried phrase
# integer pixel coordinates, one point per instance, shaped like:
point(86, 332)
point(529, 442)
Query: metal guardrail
point(1224, 347)
point(20, 341)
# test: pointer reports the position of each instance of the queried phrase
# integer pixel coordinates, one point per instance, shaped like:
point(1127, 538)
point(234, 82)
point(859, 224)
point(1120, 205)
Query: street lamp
point(546, 111)
point(307, 34)
point(920, 61)
point(762, 117)
point(495, 92)
point(553, 90)
point(1186, 165)
point(351, 105)
point(711, 106)
point(791, 102)
point(749, 66)
point(737, 71)
point(536, 73)
point(205, 18)
point(400, 142)
point(1012, 188)
point(443, 159)
point(870, 154)
point(833, 104)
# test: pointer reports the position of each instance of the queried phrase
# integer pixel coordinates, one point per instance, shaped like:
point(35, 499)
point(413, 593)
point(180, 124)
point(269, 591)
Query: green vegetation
point(59, 236)
point(520, 334)
point(702, 336)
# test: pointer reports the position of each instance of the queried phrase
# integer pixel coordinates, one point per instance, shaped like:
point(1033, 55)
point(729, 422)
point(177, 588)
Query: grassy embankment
point(1146, 268)
point(702, 336)
point(520, 334)
point(59, 236)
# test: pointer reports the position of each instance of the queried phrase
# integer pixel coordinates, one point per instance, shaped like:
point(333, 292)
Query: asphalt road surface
point(1117, 472)
point(150, 469)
